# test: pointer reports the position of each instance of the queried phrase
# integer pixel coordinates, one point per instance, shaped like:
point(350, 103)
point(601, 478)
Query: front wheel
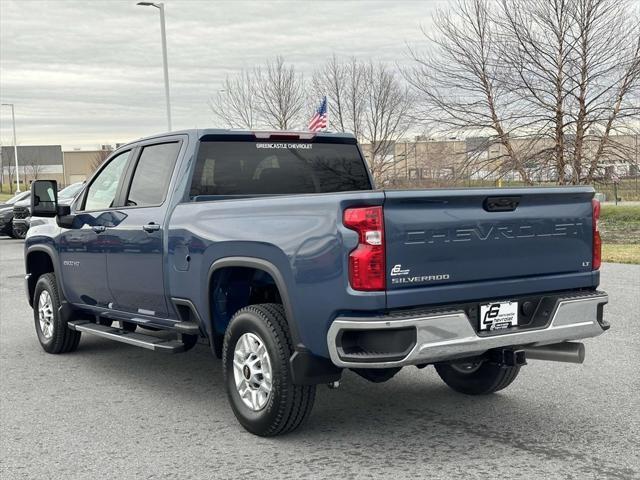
point(53, 333)
point(256, 351)
point(476, 378)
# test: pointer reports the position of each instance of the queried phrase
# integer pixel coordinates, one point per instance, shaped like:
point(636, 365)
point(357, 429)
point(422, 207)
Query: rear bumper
point(449, 334)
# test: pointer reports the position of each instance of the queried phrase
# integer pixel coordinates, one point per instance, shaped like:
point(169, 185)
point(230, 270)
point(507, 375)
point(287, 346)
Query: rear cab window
point(263, 167)
point(152, 175)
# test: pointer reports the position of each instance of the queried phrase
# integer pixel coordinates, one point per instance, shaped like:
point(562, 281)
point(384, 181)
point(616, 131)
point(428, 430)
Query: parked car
point(6, 213)
point(276, 249)
point(22, 219)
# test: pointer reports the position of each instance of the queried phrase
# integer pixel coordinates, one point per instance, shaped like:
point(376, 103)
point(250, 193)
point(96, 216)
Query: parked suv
point(21, 217)
point(276, 249)
point(6, 213)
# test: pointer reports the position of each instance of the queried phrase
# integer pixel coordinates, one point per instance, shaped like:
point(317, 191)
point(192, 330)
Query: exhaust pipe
point(571, 352)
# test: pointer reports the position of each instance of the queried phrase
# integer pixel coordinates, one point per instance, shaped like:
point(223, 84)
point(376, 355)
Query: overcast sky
point(83, 73)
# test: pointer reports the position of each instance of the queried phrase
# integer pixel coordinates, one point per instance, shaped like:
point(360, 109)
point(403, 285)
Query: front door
point(135, 269)
point(82, 249)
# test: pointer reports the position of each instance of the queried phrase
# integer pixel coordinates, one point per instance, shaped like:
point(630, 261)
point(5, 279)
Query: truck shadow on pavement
point(410, 415)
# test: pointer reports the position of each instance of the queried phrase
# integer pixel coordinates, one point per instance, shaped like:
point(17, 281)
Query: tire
point(53, 333)
point(129, 326)
point(19, 234)
point(126, 326)
point(264, 328)
point(479, 379)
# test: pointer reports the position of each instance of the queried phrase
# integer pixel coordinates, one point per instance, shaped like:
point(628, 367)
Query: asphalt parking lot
point(114, 411)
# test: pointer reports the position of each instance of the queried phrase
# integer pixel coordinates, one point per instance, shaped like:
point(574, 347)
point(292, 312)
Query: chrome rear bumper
point(449, 335)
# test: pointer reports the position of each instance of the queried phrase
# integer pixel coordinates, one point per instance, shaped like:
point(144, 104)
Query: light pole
point(15, 145)
point(163, 34)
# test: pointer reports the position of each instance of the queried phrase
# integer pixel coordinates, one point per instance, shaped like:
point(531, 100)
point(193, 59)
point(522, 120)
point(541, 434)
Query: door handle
point(98, 228)
point(151, 227)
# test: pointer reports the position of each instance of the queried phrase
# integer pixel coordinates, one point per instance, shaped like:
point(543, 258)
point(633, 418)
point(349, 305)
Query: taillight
point(597, 241)
point(366, 261)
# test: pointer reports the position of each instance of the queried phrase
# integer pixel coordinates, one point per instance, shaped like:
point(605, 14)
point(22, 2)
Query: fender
point(271, 269)
point(306, 368)
point(53, 254)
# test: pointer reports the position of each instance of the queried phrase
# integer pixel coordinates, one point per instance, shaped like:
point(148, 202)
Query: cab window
point(101, 193)
point(152, 175)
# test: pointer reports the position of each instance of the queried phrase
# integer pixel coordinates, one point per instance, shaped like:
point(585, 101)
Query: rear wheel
point(256, 351)
point(476, 377)
point(53, 333)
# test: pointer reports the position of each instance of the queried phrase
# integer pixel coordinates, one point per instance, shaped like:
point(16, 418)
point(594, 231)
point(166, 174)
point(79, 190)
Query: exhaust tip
point(570, 352)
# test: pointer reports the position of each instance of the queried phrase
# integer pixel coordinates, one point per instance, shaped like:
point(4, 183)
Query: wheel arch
point(259, 265)
point(40, 259)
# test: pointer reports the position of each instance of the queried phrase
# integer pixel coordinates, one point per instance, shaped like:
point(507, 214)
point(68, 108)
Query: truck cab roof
point(241, 134)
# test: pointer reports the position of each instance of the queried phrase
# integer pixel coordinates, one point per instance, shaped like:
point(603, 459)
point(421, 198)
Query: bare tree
point(272, 96)
point(576, 63)
point(34, 168)
point(281, 94)
point(609, 81)
point(551, 75)
point(537, 49)
point(99, 157)
point(369, 100)
point(235, 103)
point(344, 85)
point(8, 169)
point(386, 117)
point(462, 84)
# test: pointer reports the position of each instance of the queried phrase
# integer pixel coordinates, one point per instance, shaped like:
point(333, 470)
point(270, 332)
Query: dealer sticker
point(498, 316)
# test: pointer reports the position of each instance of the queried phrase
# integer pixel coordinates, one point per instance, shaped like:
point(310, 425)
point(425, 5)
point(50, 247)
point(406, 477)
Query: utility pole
point(15, 145)
point(163, 34)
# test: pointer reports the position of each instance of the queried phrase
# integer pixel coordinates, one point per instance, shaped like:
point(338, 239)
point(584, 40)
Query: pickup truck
point(275, 249)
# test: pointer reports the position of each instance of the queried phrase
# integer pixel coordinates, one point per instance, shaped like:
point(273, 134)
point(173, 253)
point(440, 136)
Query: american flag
point(319, 120)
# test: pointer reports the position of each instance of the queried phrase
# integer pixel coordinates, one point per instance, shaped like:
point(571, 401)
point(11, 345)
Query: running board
point(149, 342)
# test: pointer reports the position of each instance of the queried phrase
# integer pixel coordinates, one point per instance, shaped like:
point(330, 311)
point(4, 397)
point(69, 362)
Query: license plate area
point(498, 316)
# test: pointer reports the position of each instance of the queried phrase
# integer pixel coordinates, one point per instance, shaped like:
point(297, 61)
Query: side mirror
point(44, 198)
point(64, 218)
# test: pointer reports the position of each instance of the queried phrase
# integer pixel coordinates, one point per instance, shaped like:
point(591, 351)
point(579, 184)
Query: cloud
point(86, 73)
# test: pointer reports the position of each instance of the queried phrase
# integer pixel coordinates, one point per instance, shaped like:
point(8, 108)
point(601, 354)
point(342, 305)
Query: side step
point(137, 339)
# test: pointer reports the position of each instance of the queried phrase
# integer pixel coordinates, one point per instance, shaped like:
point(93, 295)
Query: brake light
point(284, 136)
point(597, 241)
point(366, 261)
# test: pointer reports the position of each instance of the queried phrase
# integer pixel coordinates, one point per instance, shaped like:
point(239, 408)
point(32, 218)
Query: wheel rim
point(252, 371)
point(466, 367)
point(45, 314)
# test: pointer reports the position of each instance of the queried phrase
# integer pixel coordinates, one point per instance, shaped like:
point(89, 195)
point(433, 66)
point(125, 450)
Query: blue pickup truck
point(275, 249)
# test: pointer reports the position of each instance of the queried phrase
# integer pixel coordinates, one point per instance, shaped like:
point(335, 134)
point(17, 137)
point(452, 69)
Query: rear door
point(457, 237)
point(135, 263)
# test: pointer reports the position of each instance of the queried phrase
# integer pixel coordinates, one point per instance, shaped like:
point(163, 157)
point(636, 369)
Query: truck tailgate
point(454, 237)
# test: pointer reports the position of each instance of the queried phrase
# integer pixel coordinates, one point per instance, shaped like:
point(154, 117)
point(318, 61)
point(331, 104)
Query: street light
point(15, 146)
point(160, 6)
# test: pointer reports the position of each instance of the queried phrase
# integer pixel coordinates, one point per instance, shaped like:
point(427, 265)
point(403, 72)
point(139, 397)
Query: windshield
point(70, 191)
point(18, 197)
point(271, 168)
